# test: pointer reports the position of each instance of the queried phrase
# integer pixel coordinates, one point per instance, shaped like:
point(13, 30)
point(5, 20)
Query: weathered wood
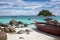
point(48, 28)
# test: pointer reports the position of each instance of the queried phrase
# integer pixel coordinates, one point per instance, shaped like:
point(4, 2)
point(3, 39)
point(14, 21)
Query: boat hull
point(48, 29)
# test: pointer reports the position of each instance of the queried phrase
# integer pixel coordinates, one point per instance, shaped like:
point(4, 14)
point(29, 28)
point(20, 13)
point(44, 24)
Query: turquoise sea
point(25, 19)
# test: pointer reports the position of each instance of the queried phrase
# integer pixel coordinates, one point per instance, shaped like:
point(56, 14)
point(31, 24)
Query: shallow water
point(25, 19)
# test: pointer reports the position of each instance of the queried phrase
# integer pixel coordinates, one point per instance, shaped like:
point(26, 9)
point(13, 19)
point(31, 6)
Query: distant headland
point(45, 13)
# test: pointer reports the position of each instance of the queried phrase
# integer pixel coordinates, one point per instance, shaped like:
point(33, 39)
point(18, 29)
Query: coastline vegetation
point(45, 13)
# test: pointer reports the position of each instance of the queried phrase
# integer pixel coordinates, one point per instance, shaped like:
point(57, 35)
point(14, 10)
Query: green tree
point(45, 13)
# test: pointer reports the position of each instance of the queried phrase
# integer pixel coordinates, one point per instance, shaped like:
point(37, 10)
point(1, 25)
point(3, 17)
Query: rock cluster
point(8, 29)
point(3, 25)
point(3, 35)
point(53, 22)
point(27, 31)
point(13, 22)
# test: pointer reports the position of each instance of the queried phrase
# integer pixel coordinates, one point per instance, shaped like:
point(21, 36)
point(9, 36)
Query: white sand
point(34, 35)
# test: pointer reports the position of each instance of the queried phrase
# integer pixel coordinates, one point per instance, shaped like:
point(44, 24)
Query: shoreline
point(22, 34)
point(34, 35)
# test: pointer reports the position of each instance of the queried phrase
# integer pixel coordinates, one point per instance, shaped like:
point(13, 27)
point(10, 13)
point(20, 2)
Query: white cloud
point(55, 0)
point(56, 10)
point(20, 4)
point(17, 12)
point(28, 8)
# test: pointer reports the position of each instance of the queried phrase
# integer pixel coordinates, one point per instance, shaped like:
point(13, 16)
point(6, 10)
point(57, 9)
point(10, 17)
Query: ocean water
point(25, 19)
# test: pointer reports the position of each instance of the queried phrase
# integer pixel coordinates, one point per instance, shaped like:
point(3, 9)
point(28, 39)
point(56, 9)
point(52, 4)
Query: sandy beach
point(29, 19)
point(33, 35)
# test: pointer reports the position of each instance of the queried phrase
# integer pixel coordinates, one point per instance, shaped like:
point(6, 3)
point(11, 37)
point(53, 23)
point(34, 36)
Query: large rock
point(20, 32)
point(55, 21)
point(20, 22)
point(12, 30)
point(6, 29)
point(3, 35)
point(52, 22)
point(0, 24)
point(2, 29)
point(58, 24)
point(3, 25)
point(25, 25)
point(27, 31)
point(13, 22)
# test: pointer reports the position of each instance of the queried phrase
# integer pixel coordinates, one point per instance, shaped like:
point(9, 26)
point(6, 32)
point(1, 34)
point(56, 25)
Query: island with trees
point(45, 13)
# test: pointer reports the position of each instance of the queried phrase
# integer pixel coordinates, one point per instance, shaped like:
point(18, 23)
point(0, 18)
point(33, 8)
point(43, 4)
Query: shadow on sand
point(55, 37)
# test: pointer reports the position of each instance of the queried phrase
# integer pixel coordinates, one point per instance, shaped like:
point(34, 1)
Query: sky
point(28, 7)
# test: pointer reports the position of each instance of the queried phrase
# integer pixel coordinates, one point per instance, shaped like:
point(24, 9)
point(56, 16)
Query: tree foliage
point(45, 13)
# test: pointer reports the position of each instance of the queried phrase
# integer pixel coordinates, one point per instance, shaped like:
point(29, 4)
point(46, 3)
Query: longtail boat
point(47, 19)
point(48, 28)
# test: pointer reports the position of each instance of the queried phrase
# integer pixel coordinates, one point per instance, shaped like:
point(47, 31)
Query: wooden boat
point(47, 19)
point(48, 28)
